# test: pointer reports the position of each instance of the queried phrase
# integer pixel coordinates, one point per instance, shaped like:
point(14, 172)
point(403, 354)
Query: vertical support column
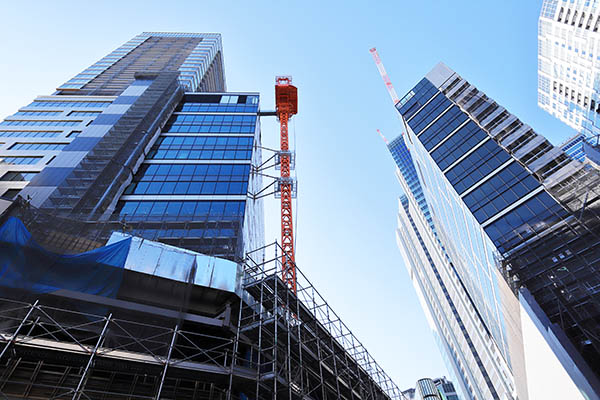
point(288, 316)
point(14, 336)
point(276, 331)
point(235, 351)
point(260, 329)
point(84, 376)
point(167, 362)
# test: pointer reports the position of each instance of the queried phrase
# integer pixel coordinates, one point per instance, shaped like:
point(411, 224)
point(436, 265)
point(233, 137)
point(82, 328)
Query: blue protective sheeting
point(26, 265)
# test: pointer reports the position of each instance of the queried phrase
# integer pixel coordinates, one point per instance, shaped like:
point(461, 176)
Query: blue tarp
point(26, 265)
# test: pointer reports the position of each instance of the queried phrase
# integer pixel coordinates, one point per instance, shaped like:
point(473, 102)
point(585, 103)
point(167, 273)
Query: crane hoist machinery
point(286, 103)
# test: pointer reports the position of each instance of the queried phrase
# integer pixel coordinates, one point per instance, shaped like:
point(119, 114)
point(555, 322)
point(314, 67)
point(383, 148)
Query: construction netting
point(26, 265)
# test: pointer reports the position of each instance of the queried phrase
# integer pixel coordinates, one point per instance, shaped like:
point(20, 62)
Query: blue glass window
point(18, 160)
point(29, 134)
point(428, 113)
point(181, 210)
point(18, 176)
point(38, 113)
point(219, 103)
point(414, 100)
point(38, 146)
point(530, 218)
point(192, 179)
point(476, 165)
point(441, 128)
point(504, 188)
point(458, 144)
point(39, 123)
point(42, 103)
point(84, 113)
point(212, 123)
point(202, 148)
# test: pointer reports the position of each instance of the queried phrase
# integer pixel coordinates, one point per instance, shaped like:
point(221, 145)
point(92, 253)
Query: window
point(476, 166)
point(191, 179)
point(498, 192)
point(18, 176)
point(74, 134)
point(181, 210)
point(20, 160)
point(11, 193)
point(219, 103)
point(458, 144)
point(212, 123)
point(39, 123)
point(84, 113)
point(202, 148)
point(38, 113)
point(38, 146)
point(50, 103)
point(29, 133)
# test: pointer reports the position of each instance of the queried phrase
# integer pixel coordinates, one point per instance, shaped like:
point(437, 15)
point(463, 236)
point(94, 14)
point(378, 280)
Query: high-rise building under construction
point(132, 245)
point(500, 232)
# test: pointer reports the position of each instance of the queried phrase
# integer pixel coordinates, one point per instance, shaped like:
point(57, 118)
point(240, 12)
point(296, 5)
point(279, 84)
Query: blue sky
point(347, 199)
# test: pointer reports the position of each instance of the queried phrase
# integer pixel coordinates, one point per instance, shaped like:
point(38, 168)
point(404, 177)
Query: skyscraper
point(77, 150)
point(432, 389)
point(569, 69)
point(133, 259)
point(491, 209)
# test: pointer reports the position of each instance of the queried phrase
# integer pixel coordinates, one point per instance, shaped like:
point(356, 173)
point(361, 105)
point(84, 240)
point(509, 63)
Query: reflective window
point(29, 133)
point(202, 148)
point(192, 179)
point(182, 210)
point(18, 176)
point(414, 100)
point(441, 128)
point(219, 103)
point(38, 146)
point(51, 103)
point(84, 113)
point(477, 165)
point(212, 123)
point(530, 218)
point(430, 112)
point(504, 188)
point(39, 123)
point(458, 144)
point(38, 113)
point(17, 160)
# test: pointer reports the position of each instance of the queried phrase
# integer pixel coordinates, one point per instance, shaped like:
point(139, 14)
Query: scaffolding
point(266, 342)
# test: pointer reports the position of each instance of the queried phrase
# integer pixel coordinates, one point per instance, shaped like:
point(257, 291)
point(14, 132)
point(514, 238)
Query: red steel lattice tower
point(286, 102)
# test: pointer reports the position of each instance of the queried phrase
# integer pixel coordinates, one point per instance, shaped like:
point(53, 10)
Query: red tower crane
point(286, 103)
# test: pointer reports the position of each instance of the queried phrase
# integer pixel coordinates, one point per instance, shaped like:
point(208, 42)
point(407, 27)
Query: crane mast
point(286, 101)
point(384, 76)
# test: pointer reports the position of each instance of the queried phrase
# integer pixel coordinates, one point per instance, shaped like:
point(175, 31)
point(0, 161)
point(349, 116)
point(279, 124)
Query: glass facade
point(76, 104)
point(493, 189)
point(569, 68)
point(193, 186)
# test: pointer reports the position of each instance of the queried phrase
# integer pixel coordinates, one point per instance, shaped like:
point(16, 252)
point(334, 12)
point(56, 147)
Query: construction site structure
point(286, 101)
point(169, 323)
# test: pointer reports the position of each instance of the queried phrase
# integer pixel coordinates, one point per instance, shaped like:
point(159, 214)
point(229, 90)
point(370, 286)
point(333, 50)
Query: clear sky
point(347, 199)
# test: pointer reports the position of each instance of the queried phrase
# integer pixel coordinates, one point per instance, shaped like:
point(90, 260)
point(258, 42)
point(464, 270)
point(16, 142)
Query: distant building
point(432, 389)
point(569, 70)
point(446, 389)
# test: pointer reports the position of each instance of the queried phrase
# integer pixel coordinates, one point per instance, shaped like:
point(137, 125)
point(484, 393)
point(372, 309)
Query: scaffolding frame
point(274, 343)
